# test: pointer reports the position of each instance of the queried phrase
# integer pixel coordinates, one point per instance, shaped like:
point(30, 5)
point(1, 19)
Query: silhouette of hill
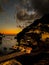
point(35, 32)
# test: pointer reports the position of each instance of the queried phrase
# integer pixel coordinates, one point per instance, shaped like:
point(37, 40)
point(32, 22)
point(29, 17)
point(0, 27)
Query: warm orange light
point(11, 31)
point(45, 35)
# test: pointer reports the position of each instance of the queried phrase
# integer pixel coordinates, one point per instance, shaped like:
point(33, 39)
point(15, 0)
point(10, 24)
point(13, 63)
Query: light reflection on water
point(8, 41)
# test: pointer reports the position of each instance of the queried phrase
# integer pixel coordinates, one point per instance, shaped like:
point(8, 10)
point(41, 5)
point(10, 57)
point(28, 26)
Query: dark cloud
point(5, 1)
point(1, 9)
point(24, 15)
point(26, 4)
point(41, 6)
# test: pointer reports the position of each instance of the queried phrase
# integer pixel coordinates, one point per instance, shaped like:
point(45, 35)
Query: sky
point(17, 14)
point(8, 20)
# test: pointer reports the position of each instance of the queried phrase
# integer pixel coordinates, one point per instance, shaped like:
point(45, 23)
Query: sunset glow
point(11, 31)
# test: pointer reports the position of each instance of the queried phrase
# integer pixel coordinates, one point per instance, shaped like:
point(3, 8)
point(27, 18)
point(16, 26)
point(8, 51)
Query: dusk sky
point(7, 16)
point(8, 8)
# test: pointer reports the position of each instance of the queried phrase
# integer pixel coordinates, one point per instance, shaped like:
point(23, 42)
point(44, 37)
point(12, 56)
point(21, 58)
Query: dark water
point(7, 42)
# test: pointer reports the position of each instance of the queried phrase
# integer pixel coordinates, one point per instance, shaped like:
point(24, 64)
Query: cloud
point(24, 15)
point(5, 1)
point(1, 9)
point(41, 6)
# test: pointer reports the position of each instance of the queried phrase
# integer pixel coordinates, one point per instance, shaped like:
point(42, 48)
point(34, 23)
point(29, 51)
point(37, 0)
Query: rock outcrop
point(36, 34)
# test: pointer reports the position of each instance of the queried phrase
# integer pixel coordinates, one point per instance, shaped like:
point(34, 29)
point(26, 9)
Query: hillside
point(35, 34)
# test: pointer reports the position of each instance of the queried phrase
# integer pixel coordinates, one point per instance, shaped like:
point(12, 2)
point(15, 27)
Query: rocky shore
point(40, 59)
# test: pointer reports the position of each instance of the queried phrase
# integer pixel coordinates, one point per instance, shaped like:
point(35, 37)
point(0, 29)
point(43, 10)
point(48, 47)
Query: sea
point(7, 42)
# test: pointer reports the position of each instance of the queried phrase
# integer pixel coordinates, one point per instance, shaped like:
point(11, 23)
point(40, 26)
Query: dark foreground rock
point(41, 59)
